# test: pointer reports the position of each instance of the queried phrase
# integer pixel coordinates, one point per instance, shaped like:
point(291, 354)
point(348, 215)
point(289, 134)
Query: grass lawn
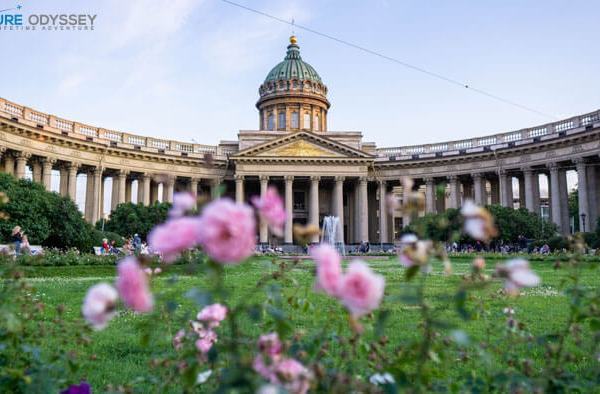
point(115, 355)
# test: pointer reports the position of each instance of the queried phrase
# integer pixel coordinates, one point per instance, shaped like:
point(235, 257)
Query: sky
point(190, 69)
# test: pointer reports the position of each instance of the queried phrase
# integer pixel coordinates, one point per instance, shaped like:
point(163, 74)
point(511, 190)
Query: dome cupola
point(293, 97)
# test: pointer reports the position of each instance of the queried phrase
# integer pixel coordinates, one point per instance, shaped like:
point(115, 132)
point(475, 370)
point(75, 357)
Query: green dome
point(292, 67)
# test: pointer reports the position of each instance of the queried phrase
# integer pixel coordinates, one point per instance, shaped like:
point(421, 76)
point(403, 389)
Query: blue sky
point(188, 69)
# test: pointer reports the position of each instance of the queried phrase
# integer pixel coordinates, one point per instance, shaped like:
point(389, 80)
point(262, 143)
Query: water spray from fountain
point(333, 234)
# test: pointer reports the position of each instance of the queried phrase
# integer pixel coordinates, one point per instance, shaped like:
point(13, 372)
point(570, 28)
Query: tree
point(128, 219)
point(446, 226)
point(574, 208)
point(46, 217)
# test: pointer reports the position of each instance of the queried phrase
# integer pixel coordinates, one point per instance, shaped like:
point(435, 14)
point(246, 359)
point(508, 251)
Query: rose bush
point(212, 350)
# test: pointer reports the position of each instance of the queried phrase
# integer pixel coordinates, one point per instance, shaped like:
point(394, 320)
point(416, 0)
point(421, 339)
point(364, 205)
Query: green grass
point(116, 356)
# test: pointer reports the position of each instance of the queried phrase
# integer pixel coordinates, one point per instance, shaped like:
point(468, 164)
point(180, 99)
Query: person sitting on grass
point(105, 246)
point(17, 238)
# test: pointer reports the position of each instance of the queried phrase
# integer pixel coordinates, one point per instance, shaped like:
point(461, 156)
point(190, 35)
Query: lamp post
point(582, 222)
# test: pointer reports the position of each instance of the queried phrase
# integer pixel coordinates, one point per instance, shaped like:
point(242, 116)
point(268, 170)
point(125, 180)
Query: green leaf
point(411, 272)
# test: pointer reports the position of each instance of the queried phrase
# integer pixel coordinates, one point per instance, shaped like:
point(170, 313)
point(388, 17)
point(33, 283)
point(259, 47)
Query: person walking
point(17, 238)
point(137, 244)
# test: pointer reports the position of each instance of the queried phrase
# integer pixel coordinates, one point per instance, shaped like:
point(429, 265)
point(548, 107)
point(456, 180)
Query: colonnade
point(148, 184)
point(358, 201)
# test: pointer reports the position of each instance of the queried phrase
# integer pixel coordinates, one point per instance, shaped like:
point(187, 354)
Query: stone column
point(22, 158)
point(47, 165)
point(263, 228)
point(97, 195)
point(313, 208)
point(72, 169)
point(555, 196)
point(239, 188)
point(9, 164)
point(122, 186)
point(89, 197)
point(529, 192)
point(405, 197)
point(114, 194)
point(479, 189)
point(64, 181)
point(128, 185)
point(383, 226)
point(214, 187)
point(582, 189)
point(289, 210)
point(593, 196)
point(146, 189)
point(153, 197)
point(36, 171)
point(536, 193)
point(338, 205)
point(194, 186)
point(363, 207)
point(454, 192)
point(506, 195)
point(170, 189)
point(564, 201)
point(429, 195)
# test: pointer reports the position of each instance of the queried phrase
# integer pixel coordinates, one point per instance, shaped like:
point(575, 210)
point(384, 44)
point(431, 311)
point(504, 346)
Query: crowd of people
point(131, 246)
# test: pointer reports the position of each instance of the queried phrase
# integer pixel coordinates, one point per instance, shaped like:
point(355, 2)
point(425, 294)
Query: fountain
point(333, 234)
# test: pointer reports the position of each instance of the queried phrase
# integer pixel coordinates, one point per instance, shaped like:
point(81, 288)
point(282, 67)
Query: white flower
point(381, 379)
point(412, 251)
point(203, 376)
point(517, 274)
point(479, 223)
point(99, 305)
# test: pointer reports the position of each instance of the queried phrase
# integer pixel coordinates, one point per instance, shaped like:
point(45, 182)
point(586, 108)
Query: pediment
point(302, 145)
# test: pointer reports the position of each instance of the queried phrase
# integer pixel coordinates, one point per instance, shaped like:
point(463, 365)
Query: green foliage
point(128, 219)
point(446, 226)
point(46, 217)
point(573, 201)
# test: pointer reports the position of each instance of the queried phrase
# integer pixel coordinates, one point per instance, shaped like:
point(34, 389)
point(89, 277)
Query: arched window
point(295, 120)
point(306, 121)
point(271, 122)
point(281, 121)
point(316, 126)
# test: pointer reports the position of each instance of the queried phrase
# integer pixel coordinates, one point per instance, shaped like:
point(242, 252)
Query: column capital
point(429, 180)
point(123, 173)
point(23, 155)
point(477, 175)
point(552, 166)
point(340, 178)
point(289, 178)
point(502, 172)
point(2, 149)
point(73, 166)
point(264, 178)
point(363, 179)
point(527, 170)
point(452, 178)
point(238, 178)
point(315, 178)
point(382, 181)
point(579, 161)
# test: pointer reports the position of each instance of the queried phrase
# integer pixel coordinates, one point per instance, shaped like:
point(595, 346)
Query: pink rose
point(361, 290)
point(99, 305)
point(263, 369)
point(271, 209)
point(329, 269)
point(182, 202)
point(294, 376)
point(228, 231)
point(132, 284)
point(178, 339)
point(174, 236)
point(212, 315)
point(270, 345)
point(206, 341)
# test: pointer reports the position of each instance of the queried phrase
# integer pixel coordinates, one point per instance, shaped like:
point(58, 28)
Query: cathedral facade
point(318, 171)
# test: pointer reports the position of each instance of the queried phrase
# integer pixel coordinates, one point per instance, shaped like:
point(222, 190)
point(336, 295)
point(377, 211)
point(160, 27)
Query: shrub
point(46, 217)
point(128, 219)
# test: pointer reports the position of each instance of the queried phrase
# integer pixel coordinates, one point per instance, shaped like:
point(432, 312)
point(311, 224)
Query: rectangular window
point(295, 120)
point(306, 121)
point(281, 121)
point(271, 122)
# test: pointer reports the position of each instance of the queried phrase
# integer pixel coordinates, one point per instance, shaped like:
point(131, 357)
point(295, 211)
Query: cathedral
point(319, 172)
